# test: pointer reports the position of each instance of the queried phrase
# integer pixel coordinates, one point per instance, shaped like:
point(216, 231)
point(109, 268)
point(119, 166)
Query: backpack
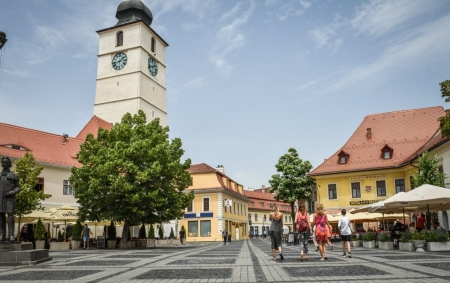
point(302, 222)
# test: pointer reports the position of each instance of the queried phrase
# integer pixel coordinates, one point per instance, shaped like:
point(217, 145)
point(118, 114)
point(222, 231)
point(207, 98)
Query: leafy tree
point(151, 232)
point(172, 234)
point(291, 182)
point(28, 199)
point(428, 172)
point(142, 232)
point(77, 228)
point(39, 231)
point(112, 231)
point(445, 121)
point(160, 232)
point(132, 174)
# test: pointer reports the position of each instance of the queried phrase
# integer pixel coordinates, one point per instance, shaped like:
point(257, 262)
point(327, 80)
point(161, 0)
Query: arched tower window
point(119, 38)
point(153, 45)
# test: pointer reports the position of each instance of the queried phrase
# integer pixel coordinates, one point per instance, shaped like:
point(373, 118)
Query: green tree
point(428, 172)
point(445, 121)
point(112, 231)
point(292, 182)
point(39, 231)
point(151, 232)
point(77, 228)
point(132, 174)
point(160, 232)
point(142, 232)
point(27, 199)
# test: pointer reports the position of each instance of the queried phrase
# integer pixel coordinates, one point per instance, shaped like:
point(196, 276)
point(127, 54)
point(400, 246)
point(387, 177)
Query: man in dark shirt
point(85, 235)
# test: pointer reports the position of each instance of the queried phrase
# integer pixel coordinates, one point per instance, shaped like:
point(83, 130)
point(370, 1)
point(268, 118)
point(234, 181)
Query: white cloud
point(378, 17)
point(322, 36)
point(190, 26)
point(17, 72)
point(195, 83)
point(232, 12)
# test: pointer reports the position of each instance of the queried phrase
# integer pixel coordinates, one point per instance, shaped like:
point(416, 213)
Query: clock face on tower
point(119, 61)
point(152, 67)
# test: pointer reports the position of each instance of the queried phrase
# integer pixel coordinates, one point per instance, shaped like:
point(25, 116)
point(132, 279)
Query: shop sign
point(363, 202)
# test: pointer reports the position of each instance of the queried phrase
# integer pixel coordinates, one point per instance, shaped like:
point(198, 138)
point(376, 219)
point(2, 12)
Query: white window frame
point(67, 184)
point(385, 187)
point(351, 190)
point(328, 191)
point(404, 185)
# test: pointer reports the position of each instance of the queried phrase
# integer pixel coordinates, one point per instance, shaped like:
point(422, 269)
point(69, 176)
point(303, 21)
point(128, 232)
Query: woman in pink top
point(321, 221)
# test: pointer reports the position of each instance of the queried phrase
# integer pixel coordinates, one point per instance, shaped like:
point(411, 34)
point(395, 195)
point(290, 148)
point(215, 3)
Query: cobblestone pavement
point(243, 261)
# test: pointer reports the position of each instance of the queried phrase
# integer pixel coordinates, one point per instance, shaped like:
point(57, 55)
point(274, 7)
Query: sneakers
point(344, 255)
point(349, 255)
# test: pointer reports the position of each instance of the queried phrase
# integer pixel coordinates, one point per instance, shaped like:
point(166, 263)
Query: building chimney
point(64, 138)
point(221, 169)
point(369, 133)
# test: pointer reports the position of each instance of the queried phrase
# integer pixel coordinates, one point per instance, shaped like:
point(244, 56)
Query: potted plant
point(151, 236)
point(369, 240)
point(406, 243)
point(419, 241)
point(112, 234)
point(142, 241)
point(76, 235)
point(384, 242)
point(354, 242)
point(161, 240)
point(39, 235)
point(131, 241)
point(437, 241)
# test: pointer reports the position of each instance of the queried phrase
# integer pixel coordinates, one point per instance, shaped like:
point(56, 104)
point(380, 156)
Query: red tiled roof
point(263, 201)
point(92, 127)
point(407, 132)
point(46, 147)
point(202, 168)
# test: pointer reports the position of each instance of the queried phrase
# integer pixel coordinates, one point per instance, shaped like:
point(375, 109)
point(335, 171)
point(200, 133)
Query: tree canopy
point(428, 172)
point(445, 120)
point(28, 199)
point(292, 181)
point(132, 174)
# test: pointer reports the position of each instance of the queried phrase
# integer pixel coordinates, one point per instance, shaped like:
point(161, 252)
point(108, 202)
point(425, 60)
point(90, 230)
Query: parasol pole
point(384, 225)
point(428, 217)
point(404, 220)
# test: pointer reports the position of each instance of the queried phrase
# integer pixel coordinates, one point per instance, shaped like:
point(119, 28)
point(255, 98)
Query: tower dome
point(133, 10)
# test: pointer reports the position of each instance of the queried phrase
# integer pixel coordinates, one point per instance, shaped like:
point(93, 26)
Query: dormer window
point(15, 146)
point(119, 41)
point(386, 152)
point(343, 157)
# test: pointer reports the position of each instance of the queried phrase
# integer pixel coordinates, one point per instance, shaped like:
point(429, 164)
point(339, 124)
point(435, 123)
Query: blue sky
point(246, 80)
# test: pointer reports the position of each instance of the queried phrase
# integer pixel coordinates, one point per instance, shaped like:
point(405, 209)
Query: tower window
point(153, 45)
point(119, 38)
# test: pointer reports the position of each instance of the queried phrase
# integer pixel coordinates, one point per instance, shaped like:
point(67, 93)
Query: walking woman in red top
point(321, 221)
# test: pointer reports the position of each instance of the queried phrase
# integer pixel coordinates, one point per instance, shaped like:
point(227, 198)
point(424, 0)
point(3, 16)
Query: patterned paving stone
point(214, 273)
point(437, 265)
point(330, 271)
point(100, 263)
point(47, 275)
point(407, 257)
point(201, 261)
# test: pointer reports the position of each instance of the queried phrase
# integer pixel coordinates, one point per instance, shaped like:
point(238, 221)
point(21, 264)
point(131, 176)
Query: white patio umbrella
point(429, 197)
point(64, 213)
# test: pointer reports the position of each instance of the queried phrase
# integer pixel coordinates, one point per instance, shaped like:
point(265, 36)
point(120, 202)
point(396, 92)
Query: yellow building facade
point(219, 204)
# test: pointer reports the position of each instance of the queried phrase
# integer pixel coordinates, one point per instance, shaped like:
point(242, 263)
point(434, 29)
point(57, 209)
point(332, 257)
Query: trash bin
point(229, 238)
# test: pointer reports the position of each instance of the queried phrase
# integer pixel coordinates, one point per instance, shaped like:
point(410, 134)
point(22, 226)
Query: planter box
point(386, 245)
point(59, 246)
point(40, 244)
point(406, 247)
point(111, 244)
point(369, 244)
point(142, 243)
point(150, 243)
point(161, 242)
point(354, 243)
point(438, 246)
point(76, 245)
point(131, 244)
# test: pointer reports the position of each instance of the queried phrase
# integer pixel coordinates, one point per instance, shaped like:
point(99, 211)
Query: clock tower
point(131, 72)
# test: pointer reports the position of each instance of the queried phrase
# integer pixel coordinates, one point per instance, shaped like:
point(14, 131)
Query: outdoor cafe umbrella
point(425, 196)
point(64, 213)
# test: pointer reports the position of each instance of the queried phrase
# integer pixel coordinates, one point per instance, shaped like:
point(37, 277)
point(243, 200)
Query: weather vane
point(3, 39)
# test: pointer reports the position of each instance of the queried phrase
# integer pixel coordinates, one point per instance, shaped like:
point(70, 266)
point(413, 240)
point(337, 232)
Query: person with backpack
point(304, 230)
point(321, 222)
point(225, 236)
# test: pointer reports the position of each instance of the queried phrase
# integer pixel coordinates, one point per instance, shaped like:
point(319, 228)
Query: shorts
point(321, 238)
point(345, 238)
point(86, 238)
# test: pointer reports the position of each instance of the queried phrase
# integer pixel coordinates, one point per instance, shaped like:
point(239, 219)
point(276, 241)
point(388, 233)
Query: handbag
point(271, 232)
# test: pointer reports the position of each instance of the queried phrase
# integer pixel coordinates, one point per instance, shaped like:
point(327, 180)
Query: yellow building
point(378, 159)
point(219, 204)
point(259, 208)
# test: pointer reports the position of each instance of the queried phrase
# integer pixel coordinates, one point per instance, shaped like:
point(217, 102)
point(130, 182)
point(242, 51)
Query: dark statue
point(3, 39)
point(9, 187)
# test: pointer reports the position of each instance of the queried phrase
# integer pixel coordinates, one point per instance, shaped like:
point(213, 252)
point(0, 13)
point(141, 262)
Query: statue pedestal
point(18, 253)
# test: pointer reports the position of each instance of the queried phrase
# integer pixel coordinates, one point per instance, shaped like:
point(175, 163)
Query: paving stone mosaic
point(437, 265)
point(327, 271)
point(100, 263)
point(47, 275)
point(200, 261)
point(213, 273)
point(407, 257)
